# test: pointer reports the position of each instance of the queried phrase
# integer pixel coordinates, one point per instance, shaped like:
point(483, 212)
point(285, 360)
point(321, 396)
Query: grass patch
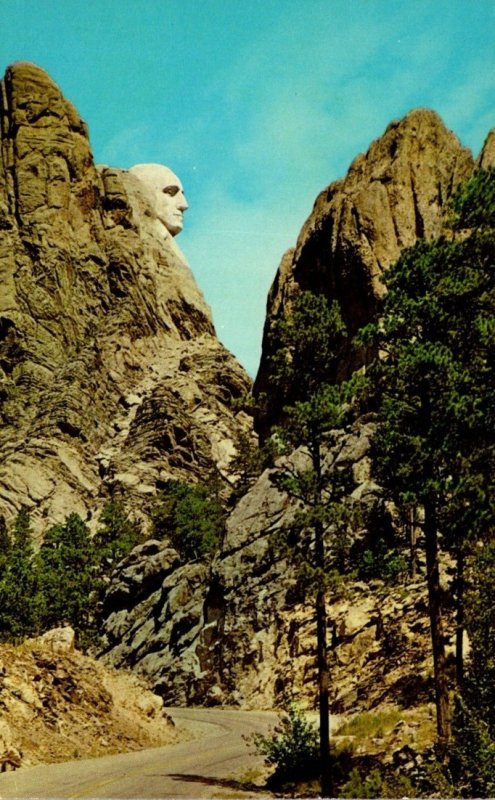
point(372, 724)
point(395, 726)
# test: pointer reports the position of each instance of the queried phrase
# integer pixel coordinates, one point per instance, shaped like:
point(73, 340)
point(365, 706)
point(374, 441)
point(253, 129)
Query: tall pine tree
point(435, 391)
point(310, 342)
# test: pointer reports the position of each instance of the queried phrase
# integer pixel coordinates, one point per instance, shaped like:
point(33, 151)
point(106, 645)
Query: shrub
point(191, 516)
point(376, 784)
point(293, 748)
point(380, 562)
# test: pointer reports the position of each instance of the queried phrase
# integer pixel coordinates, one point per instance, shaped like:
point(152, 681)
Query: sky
point(257, 105)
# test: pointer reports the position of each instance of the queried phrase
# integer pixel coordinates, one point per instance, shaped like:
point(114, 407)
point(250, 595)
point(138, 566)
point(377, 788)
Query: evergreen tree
point(18, 608)
point(435, 391)
point(310, 342)
point(117, 534)
point(192, 517)
point(250, 460)
point(5, 546)
point(473, 763)
point(66, 567)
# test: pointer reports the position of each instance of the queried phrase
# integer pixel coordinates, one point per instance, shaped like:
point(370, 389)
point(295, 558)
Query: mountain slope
point(392, 195)
point(111, 377)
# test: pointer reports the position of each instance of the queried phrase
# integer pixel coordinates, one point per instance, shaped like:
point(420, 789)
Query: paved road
point(213, 764)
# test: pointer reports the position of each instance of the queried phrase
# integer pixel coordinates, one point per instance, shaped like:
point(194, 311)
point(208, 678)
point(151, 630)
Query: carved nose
point(183, 205)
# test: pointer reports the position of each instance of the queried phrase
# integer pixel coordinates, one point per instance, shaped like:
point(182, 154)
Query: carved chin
point(173, 226)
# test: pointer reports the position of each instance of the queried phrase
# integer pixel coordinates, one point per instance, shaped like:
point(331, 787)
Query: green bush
point(293, 748)
point(192, 517)
point(380, 562)
point(472, 754)
point(376, 784)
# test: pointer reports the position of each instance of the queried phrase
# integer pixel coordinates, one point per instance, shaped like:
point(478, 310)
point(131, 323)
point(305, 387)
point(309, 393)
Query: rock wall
point(240, 632)
point(390, 197)
point(111, 377)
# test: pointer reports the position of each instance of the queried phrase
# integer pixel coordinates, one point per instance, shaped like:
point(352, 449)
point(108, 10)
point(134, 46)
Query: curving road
point(216, 763)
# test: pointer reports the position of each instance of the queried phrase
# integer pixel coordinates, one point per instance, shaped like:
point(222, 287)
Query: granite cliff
point(112, 379)
point(392, 195)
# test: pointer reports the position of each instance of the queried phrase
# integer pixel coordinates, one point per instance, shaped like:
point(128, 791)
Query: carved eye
point(170, 190)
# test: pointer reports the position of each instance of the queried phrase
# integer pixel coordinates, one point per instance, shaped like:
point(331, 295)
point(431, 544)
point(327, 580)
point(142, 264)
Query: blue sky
point(257, 105)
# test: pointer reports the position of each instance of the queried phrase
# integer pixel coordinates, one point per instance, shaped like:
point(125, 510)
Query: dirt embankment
point(58, 704)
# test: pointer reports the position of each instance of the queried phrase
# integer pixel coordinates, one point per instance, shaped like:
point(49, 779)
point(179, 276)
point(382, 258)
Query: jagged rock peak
point(392, 195)
point(111, 376)
point(487, 156)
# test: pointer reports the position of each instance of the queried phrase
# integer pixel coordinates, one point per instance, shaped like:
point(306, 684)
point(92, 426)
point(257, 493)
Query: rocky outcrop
point(486, 158)
point(239, 631)
point(111, 377)
point(390, 197)
point(57, 705)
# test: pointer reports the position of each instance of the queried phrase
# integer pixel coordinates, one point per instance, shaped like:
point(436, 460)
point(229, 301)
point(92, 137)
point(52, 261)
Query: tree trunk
point(323, 692)
point(459, 634)
point(321, 636)
point(411, 527)
point(436, 625)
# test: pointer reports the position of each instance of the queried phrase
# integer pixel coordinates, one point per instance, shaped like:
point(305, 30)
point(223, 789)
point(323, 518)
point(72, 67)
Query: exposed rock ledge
point(238, 633)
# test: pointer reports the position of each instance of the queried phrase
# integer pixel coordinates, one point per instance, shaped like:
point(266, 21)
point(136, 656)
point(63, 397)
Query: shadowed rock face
point(111, 376)
point(390, 197)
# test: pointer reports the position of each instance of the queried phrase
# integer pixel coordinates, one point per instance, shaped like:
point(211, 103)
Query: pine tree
point(5, 546)
point(18, 611)
point(66, 567)
point(473, 747)
point(435, 391)
point(192, 517)
point(310, 342)
point(117, 534)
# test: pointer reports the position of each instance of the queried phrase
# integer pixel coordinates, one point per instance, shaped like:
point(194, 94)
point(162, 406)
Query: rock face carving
point(111, 377)
point(390, 197)
point(167, 194)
